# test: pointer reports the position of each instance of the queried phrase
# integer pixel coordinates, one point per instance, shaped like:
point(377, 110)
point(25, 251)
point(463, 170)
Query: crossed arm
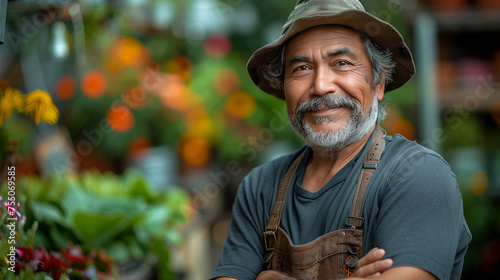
point(372, 266)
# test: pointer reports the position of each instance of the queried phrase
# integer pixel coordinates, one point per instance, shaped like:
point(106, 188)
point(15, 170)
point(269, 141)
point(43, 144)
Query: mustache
point(327, 102)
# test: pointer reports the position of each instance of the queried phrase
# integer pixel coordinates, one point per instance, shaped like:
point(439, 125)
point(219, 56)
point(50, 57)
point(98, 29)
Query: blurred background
point(158, 122)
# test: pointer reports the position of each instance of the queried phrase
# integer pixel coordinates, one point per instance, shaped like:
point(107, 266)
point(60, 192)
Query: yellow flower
point(11, 100)
point(40, 106)
point(15, 97)
point(5, 109)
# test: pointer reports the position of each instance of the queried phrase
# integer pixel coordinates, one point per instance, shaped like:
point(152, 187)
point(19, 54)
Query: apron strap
point(372, 159)
point(275, 219)
point(354, 220)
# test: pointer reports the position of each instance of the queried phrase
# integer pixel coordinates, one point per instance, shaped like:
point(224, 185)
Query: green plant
point(20, 259)
point(121, 214)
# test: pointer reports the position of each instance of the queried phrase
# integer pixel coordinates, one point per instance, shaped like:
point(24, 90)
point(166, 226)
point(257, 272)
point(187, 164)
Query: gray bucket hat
point(348, 13)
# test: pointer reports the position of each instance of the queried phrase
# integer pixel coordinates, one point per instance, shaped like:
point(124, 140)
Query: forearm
point(401, 273)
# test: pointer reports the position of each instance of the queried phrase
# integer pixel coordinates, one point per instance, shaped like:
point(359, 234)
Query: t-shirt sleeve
point(420, 221)
point(242, 256)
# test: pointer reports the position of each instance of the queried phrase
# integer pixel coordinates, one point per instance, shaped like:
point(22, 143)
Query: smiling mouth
point(325, 109)
point(325, 119)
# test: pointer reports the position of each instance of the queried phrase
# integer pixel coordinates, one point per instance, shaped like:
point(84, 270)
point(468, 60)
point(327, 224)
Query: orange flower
point(129, 52)
point(195, 151)
point(173, 92)
point(120, 119)
point(93, 84)
point(240, 105)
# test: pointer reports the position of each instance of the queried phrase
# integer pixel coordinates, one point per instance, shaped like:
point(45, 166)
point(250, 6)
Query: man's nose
point(324, 81)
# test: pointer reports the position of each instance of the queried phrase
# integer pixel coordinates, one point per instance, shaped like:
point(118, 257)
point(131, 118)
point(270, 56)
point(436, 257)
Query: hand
point(371, 264)
point(273, 275)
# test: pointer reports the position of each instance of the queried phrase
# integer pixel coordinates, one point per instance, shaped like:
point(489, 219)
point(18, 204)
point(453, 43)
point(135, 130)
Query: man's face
point(328, 81)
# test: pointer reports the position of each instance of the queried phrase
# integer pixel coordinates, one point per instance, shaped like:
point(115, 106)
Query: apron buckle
point(269, 240)
point(354, 222)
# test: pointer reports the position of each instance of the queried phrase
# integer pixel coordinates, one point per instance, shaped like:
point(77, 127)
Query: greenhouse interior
point(128, 126)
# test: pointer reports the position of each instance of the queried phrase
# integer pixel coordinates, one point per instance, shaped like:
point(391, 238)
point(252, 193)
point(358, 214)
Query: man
point(351, 190)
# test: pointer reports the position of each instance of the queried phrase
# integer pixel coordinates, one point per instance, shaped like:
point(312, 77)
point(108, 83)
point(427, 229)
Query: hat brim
point(381, 32)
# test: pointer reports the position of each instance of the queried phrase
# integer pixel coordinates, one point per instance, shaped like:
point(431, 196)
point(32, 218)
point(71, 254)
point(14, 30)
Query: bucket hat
point(348, 13)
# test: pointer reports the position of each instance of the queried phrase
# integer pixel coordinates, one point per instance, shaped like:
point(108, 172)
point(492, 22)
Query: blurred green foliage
point(121, 214)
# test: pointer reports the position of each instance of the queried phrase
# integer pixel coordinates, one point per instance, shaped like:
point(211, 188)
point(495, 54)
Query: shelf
point(467, 20)
point(470, 99)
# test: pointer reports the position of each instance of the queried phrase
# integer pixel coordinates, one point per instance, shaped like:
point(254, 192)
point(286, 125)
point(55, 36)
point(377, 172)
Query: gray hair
point(380, 59)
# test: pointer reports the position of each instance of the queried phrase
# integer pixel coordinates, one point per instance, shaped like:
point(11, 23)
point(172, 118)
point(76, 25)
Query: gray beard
point(329, 143)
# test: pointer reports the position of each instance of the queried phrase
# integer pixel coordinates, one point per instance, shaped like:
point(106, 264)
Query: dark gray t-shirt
point(412, 209)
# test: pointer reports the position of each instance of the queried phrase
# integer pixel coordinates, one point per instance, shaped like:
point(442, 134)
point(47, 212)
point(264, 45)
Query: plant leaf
point(98, 229)
point(46, 212)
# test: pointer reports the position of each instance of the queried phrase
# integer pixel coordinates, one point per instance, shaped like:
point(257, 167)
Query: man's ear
point(380, 87)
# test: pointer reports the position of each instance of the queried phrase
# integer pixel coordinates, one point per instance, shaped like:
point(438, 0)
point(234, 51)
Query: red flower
point(54, 266)
point(75, 256)
point(71, 260)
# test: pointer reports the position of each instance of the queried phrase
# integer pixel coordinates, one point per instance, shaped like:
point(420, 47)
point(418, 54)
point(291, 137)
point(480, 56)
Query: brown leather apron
point(330, 256)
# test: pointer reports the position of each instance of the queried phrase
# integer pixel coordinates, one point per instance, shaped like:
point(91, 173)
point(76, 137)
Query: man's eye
point(301, 68)
point(342, 63)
